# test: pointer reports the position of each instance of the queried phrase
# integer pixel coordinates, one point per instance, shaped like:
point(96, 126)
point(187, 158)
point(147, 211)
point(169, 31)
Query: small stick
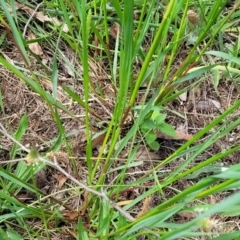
point(57, 166)
point(29, 20)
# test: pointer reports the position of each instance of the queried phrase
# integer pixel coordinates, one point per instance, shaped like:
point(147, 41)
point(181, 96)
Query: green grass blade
point(15, 31)
point(19, 134)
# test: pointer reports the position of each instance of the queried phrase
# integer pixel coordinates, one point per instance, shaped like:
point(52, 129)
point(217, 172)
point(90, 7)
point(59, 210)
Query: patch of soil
point(198, 110)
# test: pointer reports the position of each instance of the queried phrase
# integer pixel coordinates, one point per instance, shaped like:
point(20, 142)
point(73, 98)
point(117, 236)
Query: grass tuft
point(119, 119)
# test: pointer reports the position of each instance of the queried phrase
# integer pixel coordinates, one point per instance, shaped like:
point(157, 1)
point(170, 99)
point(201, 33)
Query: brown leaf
point(41, 179)
point(39, 15)
point(17, 6)
point(35, 47)
point(71, 215)
point(98, 140)
point(47, 85)
point(180, 135)
point(43, 18)
point(183, 136)
point(61, 179)
point(145, 154)
point(61, 157)
point(187, 215)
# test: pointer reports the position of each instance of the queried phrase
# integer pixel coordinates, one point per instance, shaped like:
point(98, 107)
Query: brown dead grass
point(18, 100)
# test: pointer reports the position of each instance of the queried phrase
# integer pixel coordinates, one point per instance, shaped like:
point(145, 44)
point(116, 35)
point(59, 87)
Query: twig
point(29, 20)
point(4, 132)
point(12, 161)
point(102, 195)
point(57, 166)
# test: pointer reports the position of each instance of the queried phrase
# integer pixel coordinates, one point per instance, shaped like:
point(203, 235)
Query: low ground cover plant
point(119, 119)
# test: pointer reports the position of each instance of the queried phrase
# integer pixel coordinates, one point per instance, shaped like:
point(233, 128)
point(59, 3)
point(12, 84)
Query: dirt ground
point(199, 106)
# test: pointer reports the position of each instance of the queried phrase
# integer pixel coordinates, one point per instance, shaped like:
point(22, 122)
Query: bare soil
point(18, 99)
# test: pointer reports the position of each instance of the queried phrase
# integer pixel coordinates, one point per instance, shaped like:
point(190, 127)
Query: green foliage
point(150, 43)
point(156, 123)
point(18, 136)
point(10, 234)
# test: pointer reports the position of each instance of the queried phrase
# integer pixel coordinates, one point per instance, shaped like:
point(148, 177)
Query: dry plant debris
point(35, 47)
point(39, 15)
point(199, 108)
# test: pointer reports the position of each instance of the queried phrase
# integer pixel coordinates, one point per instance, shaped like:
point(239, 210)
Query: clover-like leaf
point(154, 145)
point(167, 129)
point(160, 119)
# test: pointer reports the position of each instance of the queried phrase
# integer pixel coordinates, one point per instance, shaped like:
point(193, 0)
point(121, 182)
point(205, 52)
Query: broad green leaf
point(155, 114)
point(151, 137)
point(160, 119)
point(167, 129)
point(154, 145)
point(121, 221)
point(148, 125)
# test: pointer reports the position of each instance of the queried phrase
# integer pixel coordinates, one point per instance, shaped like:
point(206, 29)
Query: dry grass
point(18, 99)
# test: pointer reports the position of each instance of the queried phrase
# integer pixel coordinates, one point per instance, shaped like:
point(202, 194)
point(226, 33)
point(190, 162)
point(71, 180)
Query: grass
point(90, 104)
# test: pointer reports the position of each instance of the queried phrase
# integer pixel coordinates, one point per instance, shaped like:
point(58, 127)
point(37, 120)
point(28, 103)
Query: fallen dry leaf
point(41, 179)
point(216, 104)
point(47, 85)
point(144, 154)
point(187, 215)
point(39, 15)
point(183, 97)
point(71, 215)
point(43, 18)
point(61, 179)
point(180, 135)
point(17, 6)
point(98, 140)
point(35, 47)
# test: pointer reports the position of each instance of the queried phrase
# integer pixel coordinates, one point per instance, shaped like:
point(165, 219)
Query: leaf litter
point(19, 99)
point(39, 15)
